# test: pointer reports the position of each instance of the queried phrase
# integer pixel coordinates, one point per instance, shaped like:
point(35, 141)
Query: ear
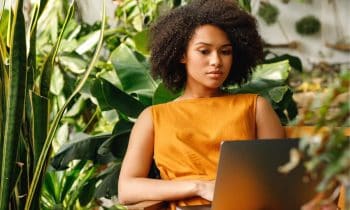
point(183, 59)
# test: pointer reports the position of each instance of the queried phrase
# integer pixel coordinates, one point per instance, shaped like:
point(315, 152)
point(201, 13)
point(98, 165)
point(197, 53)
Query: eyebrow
point(204, 43)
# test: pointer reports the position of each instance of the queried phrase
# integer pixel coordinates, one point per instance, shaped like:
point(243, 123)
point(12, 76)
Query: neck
point(190, 93)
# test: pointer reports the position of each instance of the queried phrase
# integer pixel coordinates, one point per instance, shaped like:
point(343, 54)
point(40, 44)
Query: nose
point(215, 60)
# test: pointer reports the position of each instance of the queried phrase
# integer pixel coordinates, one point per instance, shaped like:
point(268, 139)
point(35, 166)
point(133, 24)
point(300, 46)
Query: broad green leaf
point(74, 63)
point(163, 95)
point(273, 71)
point(51, 184)
point(68, 46)
point(141, 41)
point(57, 81)
point(87, 43)
point(257, 86)
point(245, 4)
point(87, 192)
point(82, 148)
point(294, 61)
point(110, 97)
point(277, 93)
point(111, 116)
point(133, 74)
point(122, 126)
point(4, 22)
point(72, 29)
point(137, 22)
point(109, 185)
point(61, 137)
point(77, 107)
point(115, 145)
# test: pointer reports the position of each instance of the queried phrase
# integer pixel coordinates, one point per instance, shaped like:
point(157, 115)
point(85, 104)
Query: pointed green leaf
point(15, 104)
point(51, 186)
point(39, 110)
point(71, 177)
point(39, 170)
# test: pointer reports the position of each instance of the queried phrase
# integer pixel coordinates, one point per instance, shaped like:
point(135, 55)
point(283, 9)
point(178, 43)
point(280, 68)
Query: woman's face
point(208, 58)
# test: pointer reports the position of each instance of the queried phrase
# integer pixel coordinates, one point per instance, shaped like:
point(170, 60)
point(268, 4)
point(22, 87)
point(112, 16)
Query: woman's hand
point(206, 189)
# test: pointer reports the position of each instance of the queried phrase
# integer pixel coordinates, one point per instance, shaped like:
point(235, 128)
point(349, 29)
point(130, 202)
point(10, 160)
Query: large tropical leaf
point(115, 145)
point(162, 95)
point(110, 97)
point(85, 147)
point(132, 72)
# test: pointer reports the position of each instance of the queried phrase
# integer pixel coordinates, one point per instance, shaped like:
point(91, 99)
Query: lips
point(215, 74)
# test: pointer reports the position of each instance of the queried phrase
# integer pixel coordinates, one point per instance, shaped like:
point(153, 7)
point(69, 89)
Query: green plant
point(268, 12)
point(308, 25)
point(326, 152)
point(329, 152)
point(27, 127)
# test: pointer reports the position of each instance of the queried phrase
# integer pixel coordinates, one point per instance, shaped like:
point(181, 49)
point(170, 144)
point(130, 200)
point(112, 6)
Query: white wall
point(312, 48)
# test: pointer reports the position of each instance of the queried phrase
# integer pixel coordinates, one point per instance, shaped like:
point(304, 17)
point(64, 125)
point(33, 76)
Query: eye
point(226, 52)
point(204, 51)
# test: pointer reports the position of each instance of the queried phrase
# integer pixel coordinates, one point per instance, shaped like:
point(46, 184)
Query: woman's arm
point(133, 184)
point(268, 125)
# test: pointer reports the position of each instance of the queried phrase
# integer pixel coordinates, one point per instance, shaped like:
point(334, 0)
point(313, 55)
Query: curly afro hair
point(172, 32)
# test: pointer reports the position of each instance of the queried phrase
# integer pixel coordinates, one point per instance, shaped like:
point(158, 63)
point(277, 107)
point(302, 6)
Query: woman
point(199, 48)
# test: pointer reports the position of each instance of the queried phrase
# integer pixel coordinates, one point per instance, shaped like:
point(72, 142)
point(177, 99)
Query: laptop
point(248, 178)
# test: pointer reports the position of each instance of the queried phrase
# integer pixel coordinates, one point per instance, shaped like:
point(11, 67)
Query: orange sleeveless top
point(188, 133)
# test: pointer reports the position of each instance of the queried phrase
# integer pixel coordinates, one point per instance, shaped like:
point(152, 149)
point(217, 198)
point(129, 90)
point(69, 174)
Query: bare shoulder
point(263, 103)
point(145, 115)
point(140, 147)
point(267, 121)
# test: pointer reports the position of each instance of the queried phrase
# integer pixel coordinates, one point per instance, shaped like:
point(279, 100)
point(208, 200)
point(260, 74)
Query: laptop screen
point(248, 177)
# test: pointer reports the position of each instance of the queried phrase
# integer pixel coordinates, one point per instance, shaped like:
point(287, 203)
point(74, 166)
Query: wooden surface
point(148, 205)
